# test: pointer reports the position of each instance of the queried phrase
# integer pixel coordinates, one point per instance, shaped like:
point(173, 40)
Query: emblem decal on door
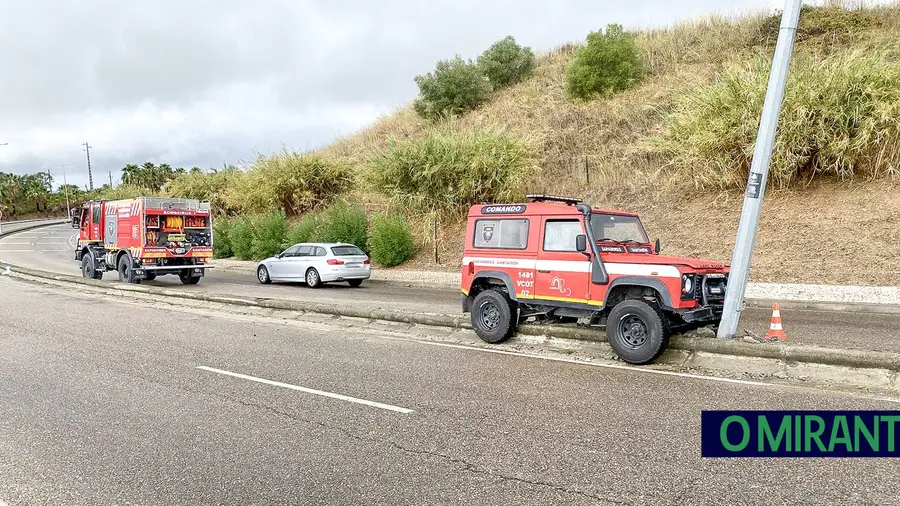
point(559, 284)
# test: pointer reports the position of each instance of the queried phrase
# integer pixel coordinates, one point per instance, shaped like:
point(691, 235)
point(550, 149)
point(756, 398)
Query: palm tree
point(131, 174)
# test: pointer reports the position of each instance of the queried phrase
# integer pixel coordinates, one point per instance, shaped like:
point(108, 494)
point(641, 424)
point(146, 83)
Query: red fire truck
point(145, 237)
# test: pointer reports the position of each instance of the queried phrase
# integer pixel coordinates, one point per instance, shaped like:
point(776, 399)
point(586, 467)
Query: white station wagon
point(316, 263)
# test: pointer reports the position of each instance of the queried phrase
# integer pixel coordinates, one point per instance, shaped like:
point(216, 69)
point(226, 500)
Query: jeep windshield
point(618, 228)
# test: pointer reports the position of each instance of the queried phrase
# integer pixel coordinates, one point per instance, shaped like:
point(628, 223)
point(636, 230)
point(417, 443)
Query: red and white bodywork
point(146, 236)
point(532, 248)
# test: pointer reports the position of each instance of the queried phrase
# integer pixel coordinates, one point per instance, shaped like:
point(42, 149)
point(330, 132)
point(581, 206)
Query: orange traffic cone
point(776, 331)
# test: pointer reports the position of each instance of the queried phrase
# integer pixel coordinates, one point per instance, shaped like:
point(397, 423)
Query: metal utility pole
point(759, 172)
point(87, 149)
point(110, 178)
point(1, 200)
point(66, 186)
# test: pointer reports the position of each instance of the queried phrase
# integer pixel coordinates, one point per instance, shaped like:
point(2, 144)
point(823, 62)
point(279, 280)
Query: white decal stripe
point(619, 269)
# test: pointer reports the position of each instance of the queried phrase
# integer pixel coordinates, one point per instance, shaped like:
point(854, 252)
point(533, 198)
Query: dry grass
point(604, 152)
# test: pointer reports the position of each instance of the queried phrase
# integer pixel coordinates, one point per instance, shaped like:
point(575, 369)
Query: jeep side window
point(507, 233)
point(559, 235)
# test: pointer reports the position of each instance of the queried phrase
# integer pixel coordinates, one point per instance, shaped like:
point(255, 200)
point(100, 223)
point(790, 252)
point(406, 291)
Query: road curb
point(809, 305)
point(683, 350)
point(31, 226)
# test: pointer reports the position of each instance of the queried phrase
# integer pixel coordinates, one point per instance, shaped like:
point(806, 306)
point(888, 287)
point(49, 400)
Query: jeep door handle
point(543, 271)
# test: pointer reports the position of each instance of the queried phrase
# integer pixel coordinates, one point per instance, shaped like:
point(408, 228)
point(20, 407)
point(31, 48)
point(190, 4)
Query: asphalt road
point(103, 402)
point(52, 249)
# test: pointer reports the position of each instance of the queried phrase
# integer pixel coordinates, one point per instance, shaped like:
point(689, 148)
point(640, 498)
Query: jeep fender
point(502, 276)
point(653, 283)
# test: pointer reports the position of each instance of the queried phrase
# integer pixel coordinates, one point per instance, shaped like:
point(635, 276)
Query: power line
point(87, 149)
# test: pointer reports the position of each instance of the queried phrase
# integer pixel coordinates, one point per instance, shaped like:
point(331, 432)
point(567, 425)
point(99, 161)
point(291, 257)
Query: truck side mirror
point(656, 246)
point(581, 243)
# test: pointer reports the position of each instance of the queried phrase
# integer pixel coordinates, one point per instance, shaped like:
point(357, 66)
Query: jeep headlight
point(687, 285)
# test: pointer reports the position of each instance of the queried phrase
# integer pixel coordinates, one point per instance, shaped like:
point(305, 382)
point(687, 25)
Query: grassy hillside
point(677, 147)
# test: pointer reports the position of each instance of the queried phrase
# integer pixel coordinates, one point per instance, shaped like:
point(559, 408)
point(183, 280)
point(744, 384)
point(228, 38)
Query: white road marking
point(308, 390)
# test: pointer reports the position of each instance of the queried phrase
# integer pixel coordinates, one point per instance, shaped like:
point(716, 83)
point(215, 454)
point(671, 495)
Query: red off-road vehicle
point(555, 258)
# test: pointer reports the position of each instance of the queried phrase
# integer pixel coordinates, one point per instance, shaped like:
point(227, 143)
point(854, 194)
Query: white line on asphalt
point(308, 390)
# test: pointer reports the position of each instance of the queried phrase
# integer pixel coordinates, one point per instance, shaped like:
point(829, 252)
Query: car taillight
point(335, 261)
point(367, 261)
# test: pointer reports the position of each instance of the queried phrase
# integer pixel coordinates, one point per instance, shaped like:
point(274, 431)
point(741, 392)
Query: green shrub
point(840, 116)
point(454, 87)
point(269, 232)
point(240, 233)
point(609, 63)
point(446, 170)
point(391, 242)
point(290, 182)
point(222, 247)
point(304, 230)
point(506, 63)
point(344, 223)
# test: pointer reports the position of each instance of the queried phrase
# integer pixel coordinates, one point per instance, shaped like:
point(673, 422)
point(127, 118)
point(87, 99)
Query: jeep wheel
point(494, 316)
point(637, 331)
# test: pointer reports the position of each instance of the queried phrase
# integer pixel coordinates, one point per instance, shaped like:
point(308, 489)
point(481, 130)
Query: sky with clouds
point(208, 82)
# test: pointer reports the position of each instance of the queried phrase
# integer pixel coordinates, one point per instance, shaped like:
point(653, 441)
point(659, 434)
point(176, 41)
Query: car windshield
point(346, 251)
point(618, 228)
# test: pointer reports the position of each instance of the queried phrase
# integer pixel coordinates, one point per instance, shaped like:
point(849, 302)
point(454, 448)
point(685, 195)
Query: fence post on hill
point(759, 172)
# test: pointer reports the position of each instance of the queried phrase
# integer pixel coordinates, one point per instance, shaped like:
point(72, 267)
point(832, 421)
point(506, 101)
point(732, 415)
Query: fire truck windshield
point(618, 228)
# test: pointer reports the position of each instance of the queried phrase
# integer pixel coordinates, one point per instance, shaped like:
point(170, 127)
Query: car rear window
point(346, 251)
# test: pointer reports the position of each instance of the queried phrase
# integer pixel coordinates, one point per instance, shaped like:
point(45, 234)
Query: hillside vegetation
point(661, 122)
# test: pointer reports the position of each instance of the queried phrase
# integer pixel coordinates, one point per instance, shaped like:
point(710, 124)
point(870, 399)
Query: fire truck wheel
point(637, 331)
point(88, 268)
point(262, 274)
point(494, 316)
point(126, 273)
point(312, 278)
point(188, 279)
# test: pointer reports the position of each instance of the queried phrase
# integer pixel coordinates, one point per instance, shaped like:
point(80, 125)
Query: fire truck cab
point(557, 259)
point(145, 237)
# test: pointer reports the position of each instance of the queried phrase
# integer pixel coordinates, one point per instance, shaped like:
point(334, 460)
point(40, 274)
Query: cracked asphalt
point(102, 402)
